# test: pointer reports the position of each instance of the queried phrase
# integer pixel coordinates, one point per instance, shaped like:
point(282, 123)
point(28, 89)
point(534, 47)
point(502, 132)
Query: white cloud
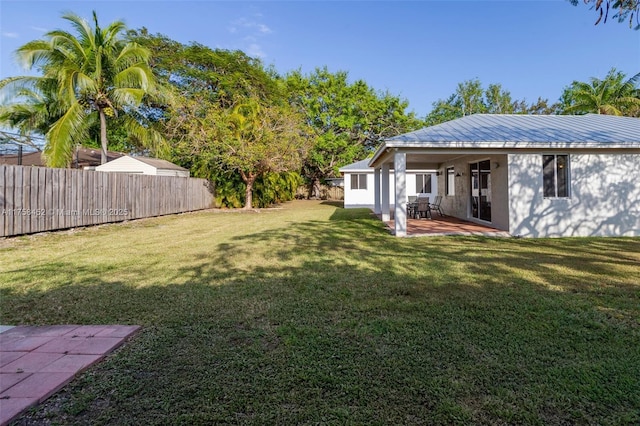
point(264, 29)
point(249, 30)
point(249, 25)
point(10, 35)
point(39, 29)
point(255, 50)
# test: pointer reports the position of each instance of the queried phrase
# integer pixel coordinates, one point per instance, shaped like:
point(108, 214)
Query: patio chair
point(423, 208)
point(436, 205)
point(412, 207)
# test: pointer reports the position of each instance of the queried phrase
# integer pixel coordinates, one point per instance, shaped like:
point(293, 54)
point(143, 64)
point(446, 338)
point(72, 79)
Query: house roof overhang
point(504, 134)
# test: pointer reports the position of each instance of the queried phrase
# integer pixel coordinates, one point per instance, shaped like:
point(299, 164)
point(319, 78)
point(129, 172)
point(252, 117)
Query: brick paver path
point(36, 362)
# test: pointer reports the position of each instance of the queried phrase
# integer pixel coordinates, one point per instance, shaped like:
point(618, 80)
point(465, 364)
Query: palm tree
point(612, 96)
point(93, 73)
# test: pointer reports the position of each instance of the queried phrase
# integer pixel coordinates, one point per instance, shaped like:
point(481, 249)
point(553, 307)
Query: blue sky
point(418, 50)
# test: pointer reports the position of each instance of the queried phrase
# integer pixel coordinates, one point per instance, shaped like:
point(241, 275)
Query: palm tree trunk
point(103, 135)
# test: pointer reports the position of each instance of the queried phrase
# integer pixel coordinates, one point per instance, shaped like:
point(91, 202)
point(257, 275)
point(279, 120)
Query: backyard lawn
point(313, 314)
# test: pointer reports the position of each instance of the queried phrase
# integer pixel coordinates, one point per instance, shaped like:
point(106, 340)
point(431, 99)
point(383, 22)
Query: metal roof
point(543, 129)
point(519, 131)
point(362, 165)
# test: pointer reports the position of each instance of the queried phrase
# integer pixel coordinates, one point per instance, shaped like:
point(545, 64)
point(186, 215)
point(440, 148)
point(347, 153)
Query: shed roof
point(159, 164)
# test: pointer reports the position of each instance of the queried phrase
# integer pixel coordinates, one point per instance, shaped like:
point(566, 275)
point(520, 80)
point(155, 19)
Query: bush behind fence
point(38, 199)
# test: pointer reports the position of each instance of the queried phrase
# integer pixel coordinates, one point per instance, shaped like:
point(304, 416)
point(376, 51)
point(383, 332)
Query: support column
point(385, 193)
point(376, 191)
point(400, 175)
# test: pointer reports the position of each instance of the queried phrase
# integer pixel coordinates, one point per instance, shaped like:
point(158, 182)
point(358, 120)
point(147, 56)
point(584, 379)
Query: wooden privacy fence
point(37, 199)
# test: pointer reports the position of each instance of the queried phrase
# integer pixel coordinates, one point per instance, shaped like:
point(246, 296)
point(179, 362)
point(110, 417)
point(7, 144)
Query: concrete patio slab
point(37, 361)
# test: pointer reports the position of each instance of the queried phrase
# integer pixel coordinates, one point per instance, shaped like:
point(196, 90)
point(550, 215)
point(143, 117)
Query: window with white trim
point(423, 183)
point(450, 183)
point(359, 181)
point(555, 176)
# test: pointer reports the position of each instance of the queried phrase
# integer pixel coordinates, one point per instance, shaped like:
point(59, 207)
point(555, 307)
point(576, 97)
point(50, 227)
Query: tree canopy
point(471, 98)
point(87, 77)
point(622, 10)
point(612, 95)
point(348, 120)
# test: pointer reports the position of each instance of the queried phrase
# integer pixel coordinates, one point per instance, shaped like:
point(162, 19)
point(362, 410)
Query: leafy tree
point(622, 9)
point(348, 120)
point(612, 95)
point(228, 120)
point(37, 109)
point(498, 101)
point(96, 73)
point(215, 75)
point(262, 139)
point(471, 98)
point(250, 140)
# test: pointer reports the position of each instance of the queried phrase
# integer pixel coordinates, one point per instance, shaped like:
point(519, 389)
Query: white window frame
point(556, 167)
point(450, 181)
point(358, 182)
point(420, 177)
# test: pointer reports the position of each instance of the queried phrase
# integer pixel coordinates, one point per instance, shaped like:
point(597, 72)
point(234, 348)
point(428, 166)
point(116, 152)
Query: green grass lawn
point(313, 314)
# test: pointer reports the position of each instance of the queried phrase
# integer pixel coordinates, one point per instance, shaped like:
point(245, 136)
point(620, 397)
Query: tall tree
point(250, 139)
point(262, 139)
point(96, 73)
point(348, 120)
point(621, 10)
point(216, 75)
point(612, 95)
point(471, 98)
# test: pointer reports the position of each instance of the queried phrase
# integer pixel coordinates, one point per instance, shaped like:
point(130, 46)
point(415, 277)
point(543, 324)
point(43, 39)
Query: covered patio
point(444, 225)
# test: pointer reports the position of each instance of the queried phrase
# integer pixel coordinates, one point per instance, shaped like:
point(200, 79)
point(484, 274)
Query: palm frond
point(128, 96)
point(68, 131)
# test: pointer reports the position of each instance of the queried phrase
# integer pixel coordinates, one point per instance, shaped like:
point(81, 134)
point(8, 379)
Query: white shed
point(144, 166)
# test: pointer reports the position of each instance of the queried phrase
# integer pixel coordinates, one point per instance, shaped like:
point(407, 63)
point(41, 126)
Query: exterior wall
point(604, 198)
point(459, 204)
point(361, 198)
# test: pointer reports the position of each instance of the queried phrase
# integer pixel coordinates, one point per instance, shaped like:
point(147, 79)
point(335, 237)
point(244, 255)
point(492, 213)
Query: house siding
point(363, 198)
point(604, 197)
point(359, 198)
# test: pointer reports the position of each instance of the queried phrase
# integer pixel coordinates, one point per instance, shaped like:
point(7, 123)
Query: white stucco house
point(144, 166)
point(359, 184)
point(529, 175)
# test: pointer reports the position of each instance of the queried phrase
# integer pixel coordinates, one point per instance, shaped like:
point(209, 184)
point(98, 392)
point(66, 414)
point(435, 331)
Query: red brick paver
point(446, 225)
point(36, 362)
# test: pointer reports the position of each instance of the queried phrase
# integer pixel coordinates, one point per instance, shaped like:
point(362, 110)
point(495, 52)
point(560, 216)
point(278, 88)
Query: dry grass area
point(313, 314)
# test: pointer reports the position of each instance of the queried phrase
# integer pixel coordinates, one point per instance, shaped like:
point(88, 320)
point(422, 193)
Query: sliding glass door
point(481, 190)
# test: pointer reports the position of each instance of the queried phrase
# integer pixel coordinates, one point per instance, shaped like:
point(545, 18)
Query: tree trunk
point(315, 189)
point(103, 135)
point(249, 179)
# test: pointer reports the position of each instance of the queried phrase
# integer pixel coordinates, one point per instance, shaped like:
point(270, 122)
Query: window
point(359, 181)
point(555, 175)
point(450, 182)
point(423, 183)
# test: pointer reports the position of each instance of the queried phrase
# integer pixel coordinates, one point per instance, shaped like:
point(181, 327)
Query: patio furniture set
point(419, 207)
